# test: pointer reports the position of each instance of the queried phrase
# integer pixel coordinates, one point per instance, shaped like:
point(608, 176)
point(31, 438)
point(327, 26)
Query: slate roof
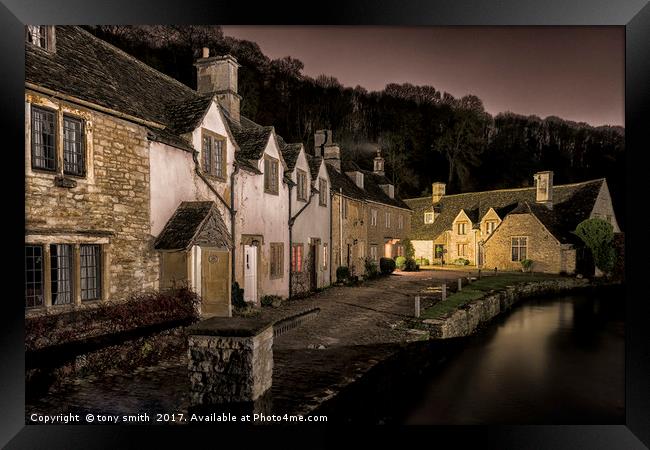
point(186, 224)
point(372, 190)
point(91, 69)
point(249, 136)
point(290, 153)
point(572, 203)
point(314, 165)
point(551, 220)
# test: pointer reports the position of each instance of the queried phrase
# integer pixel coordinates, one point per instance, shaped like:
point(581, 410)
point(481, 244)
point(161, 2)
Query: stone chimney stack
point(218, 75)
point(330, 151)
point(544, 188)
point(321, 137)
point(379, 163)
point(437, 191)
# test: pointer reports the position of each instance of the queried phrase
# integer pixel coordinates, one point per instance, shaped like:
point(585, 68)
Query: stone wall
point(543, 249)
point(379, 234)
point(109, 206)
point(353, 229)
point(230, 360)
point(424, 249)
point(468, 319)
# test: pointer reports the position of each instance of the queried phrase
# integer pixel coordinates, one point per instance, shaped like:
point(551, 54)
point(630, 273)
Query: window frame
point(400, 222)
point(489, 231)
point(43, 31)
point(82, 145)
point(387, 218)
point(297, 252)
point(462, 246)
point(271, 163)
point(98, 276)
point(429, 214)
point(322, 191)
point(519, 248)
point(373, 252)
point(301, 188)
point(209, 160)
point(325, 256)
point(69, 271)
point(42, 275)
point(55, 134)
point(277, 250)
point(373, 217)
point(461, 225)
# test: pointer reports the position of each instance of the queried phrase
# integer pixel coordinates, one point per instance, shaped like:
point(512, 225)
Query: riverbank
point(464, 312)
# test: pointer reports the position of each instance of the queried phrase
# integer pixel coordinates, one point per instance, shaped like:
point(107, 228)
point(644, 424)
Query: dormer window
point(214, 154)
point(271, 174)
point(429, 217)
point(40, 36)
point(490, 225)
point(302, 185)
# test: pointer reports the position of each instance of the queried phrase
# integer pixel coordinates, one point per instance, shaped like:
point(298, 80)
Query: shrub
point(342, 274)
point(423, 261)
point(386, 265)
point(460, 262)
point(139, 310)
point(409, 250)
point(526, 264)
point(237, 296)
point(400, 262)
point(271, 300)
point(410, 265)
point(598, 236)
point(371, 269)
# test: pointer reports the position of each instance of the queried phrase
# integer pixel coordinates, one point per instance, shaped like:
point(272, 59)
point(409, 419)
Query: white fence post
point(417, 306)
point(460, 284)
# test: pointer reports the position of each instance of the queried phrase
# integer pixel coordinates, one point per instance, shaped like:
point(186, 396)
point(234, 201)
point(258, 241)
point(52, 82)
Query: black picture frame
point(634, 15)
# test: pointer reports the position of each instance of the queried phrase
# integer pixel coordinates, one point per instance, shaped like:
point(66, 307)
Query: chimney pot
point(218, 76)
point(437, 191)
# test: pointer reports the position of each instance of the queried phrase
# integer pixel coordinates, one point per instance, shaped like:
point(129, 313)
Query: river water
point(551, 361)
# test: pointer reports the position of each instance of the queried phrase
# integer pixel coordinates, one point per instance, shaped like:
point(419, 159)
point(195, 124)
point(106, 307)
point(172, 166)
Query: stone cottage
point(368, 219)
point(309, 219)
point(501, 228)
point(135, 181)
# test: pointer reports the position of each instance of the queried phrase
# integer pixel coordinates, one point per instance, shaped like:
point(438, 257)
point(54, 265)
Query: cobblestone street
point(356, 328)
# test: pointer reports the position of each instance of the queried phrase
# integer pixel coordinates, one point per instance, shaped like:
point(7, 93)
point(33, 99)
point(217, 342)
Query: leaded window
point(33, 276)
point(73, 148)
point(322, 195)
point(302, 185)
point(37, 35)
point(271, 182)
point(519, 248)
point(61, 273)
point(90, 262)
point(43, 139)
point(214, 155)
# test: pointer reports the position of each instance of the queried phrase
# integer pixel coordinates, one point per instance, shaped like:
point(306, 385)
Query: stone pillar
point(230, 362)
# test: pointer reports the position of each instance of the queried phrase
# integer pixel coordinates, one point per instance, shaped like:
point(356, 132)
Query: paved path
point(361, 315)
point(357, 327)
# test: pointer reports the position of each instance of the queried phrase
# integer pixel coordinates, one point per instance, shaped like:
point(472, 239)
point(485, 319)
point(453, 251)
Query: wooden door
point(313, 266)
point(215, 282)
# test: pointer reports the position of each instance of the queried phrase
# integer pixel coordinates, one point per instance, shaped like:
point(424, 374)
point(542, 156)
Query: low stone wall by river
point(469, 318)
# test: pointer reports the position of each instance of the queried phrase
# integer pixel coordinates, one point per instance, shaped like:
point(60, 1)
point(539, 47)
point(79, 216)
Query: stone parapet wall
point(469, 318)
point(229, 362)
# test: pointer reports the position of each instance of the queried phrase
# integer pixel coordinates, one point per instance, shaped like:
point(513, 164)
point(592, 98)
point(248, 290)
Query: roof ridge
point(510, 189)
point(136, 60)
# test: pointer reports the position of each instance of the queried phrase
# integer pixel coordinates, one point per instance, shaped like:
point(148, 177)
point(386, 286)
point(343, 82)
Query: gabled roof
point(314, 165)
point(193, 223)
point(289, 152)
point(574, 201)
point(550, 218)
point(342, 183)
point(88, 68)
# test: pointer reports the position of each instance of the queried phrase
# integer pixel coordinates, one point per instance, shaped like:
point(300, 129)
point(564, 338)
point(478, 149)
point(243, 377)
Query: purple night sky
point(576, 73)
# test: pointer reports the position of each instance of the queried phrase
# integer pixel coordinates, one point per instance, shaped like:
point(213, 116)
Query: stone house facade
point(369, 221)
point(137, 182)
point(498, 229)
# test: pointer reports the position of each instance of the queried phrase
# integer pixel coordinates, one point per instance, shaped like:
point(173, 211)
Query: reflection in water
point(549, 361)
